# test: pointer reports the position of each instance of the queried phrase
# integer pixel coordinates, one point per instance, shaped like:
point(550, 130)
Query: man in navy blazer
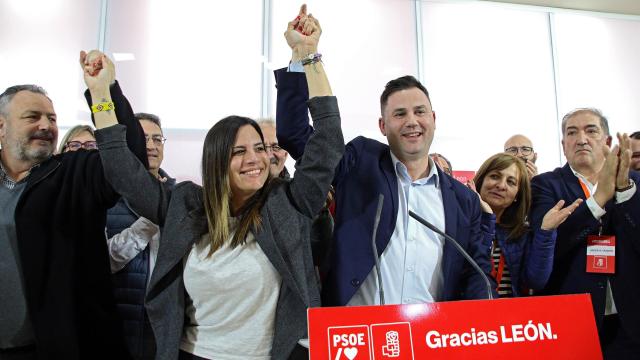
point(612, 208)
point(417, 265)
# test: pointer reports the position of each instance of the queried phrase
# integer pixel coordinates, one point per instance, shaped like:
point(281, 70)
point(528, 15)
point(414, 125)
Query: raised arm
point(123, 170)
point(93, 65)
point(292, 120)
point(315, 169)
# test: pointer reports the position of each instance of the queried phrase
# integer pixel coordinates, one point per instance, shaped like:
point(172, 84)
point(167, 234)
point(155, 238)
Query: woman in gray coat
point(234, 274)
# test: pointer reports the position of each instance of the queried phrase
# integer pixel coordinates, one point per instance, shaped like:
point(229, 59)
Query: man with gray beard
point(56, 300)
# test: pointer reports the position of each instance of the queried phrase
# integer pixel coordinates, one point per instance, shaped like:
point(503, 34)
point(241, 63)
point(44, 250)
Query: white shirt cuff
point(596, 210)
point(622, 196)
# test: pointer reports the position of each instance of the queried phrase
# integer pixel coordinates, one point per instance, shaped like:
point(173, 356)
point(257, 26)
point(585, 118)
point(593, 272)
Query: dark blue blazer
point(365, 171)
point(569, 274)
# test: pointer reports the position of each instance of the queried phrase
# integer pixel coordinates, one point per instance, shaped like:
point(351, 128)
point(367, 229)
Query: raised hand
point(607, 176)
point(99, 72)
point(557, 215)
point(303, 34)
point(622, 176)
point(485, 206)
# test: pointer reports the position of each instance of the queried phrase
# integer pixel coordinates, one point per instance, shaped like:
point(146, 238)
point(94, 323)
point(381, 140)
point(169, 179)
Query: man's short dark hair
point(635, 135)
point(604, 123)
point(401, 83)
point(10, 92)
point(149, 117)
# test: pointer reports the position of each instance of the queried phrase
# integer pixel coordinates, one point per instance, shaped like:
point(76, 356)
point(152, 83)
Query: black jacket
point(60, 221)
point(130, 284)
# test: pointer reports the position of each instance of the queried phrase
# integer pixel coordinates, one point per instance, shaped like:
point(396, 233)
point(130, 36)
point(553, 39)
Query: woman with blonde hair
point(78, 137)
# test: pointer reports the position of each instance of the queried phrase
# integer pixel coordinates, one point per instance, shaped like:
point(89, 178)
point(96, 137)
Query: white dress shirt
point(127, 244)
point(411, 264)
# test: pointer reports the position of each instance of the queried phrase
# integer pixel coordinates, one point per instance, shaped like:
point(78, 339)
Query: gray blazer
point(284, 237)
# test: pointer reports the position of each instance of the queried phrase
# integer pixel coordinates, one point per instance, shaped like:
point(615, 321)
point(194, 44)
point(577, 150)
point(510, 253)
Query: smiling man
point(417, 265)
point(56, 300)
point(601, 176)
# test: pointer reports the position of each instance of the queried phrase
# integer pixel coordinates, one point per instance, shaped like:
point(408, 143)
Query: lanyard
point(585, 189)
point(587, 194)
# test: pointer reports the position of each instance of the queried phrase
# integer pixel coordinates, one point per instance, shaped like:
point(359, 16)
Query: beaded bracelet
point(311, 59)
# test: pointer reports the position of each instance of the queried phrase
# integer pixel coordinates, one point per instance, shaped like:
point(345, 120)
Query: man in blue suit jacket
point(417, 265)
point(612, 207)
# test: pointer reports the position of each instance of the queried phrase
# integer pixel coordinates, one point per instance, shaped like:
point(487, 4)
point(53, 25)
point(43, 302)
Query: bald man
point(520, 146)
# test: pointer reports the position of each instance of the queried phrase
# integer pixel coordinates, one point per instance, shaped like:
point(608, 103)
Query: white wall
point(492, 69)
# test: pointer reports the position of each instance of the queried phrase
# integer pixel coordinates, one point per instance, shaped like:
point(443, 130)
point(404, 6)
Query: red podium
point(541, 328)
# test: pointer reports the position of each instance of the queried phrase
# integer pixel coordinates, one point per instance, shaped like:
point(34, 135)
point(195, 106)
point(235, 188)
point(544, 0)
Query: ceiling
point(628, 7)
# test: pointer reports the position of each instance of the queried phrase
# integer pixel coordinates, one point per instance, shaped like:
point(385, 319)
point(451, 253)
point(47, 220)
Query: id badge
point(601, 254)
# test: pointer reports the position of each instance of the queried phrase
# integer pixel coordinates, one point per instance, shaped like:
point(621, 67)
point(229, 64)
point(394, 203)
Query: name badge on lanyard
point(601, 249)
point(601, 254)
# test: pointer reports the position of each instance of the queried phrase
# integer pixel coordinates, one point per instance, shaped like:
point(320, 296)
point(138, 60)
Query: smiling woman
point(522, 257)
point(239, 246)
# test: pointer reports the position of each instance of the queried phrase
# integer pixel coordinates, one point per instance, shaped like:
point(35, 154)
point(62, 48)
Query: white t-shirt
point(232, 301)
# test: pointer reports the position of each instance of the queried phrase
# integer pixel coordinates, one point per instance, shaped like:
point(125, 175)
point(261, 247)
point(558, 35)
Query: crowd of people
point(104, 255)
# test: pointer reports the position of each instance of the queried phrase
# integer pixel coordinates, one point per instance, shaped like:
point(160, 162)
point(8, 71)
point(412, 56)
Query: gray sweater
point(284, 236)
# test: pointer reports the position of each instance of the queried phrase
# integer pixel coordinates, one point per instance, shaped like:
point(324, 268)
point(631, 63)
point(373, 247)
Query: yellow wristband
point(103, 106)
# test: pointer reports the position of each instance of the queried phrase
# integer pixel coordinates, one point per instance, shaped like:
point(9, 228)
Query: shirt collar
point(581, 177)
point(7, 181)
point(403, 174)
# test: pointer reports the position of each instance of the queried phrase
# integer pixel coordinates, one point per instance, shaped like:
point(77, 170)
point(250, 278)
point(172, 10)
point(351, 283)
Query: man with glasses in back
point(133, 247)
point(520, 146)
point(277, 154)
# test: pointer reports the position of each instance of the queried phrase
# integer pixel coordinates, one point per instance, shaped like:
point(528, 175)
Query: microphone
point(375, 248)
point(458, 247)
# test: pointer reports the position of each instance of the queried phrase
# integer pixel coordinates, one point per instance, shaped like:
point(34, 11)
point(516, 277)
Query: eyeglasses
point(273, 147)
point(524, 150)
point(76, 145)
point(158, 140)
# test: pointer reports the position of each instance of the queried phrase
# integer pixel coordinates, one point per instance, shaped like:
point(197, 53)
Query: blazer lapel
point(271, 250)
point(386, 165)
point(450, 204)
point(573, 184)
point(173, 247)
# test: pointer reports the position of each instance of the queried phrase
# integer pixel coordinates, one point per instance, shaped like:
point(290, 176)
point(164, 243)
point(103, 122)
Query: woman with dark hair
point(234, 273)
point(522, 257)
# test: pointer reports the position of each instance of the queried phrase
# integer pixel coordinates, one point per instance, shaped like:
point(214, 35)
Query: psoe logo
point(392, 341)
point(349, 342)
point(392, 348)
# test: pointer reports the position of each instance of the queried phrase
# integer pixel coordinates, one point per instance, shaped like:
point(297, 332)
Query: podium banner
point(540, 328)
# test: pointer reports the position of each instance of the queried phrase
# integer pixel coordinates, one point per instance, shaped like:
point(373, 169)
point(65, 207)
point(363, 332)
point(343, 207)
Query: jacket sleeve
point(125, 115)
point(627, 214)
point(538, 261)
point(123, 170)
point(476, 287)
point(127, 244)
point(315, 169)
point(488, 230)
point(292, 120)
